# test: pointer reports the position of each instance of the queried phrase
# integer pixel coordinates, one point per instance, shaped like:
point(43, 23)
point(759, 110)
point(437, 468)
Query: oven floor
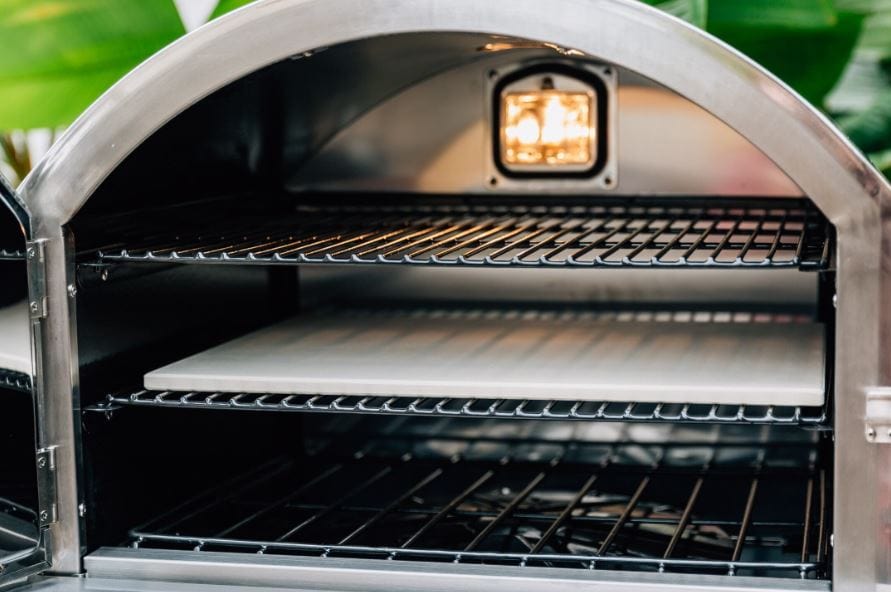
point(730, 507)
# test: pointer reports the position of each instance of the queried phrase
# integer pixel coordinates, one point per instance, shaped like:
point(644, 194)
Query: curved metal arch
point(776, 120)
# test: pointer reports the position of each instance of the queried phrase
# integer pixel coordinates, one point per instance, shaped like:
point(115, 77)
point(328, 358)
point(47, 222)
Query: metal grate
point(20, 551)
point(482, 408)
point(734, 509)
point(608, 234)
point(18, 381)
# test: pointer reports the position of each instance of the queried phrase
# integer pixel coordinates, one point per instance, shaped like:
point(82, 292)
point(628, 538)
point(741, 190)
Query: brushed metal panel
point(434, 136)
point(165, 571)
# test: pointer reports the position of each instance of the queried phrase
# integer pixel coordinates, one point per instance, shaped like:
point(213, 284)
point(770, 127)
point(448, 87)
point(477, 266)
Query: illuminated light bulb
point(527, 130)
point(554, 118)
point(547, 129)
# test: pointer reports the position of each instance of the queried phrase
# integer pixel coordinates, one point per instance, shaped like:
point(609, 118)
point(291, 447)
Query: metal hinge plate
point(35, 252)
point(46, 486)
point(878, 415)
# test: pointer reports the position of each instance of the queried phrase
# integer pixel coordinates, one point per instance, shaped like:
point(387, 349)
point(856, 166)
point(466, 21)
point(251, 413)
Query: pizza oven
point(441, 295)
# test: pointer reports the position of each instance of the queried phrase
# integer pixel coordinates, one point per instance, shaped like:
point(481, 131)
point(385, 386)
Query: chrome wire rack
point(19, 538)
point(481, 408)
point(606, 234)
point(734, 509)
point(9, 379)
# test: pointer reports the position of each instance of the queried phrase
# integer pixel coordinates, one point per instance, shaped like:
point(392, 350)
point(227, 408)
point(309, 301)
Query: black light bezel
point(601, 99)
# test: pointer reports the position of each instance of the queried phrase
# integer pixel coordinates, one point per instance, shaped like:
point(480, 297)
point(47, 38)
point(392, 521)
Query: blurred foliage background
point(57, 56)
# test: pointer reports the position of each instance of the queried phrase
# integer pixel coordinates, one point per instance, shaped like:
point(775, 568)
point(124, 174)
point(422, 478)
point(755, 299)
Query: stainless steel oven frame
point(795, 136)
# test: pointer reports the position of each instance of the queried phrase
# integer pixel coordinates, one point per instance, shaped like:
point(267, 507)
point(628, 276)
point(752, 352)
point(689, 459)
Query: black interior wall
point(13, 282)
point(129, 326)
point(138, 464)
point(141, 463)
point(18, 478)
point(244, 138)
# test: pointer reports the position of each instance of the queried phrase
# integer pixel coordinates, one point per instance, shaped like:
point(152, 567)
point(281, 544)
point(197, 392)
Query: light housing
point(550, 121)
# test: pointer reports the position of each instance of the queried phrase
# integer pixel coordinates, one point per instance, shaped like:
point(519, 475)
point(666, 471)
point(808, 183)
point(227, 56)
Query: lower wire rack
point(18, 528)
point(482, 408)
point(756, 510)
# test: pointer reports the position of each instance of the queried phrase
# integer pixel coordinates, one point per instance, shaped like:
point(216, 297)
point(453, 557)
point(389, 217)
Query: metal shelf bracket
point(878, 415)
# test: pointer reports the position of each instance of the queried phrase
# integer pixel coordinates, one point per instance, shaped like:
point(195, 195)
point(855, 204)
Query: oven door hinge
point(878, 415)
point(35, 251)
point(46, 486)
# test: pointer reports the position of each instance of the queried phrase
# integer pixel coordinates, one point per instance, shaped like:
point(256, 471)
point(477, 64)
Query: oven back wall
point(343, 119)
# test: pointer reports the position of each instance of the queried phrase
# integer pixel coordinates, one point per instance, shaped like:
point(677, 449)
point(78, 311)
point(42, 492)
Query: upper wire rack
point(609, 234)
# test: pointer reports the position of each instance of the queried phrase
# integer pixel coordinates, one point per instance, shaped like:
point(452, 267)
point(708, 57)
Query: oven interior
point(302, 189)
point(18, 476)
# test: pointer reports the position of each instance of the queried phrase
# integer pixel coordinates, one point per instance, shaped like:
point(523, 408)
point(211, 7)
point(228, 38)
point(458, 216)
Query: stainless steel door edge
point(370, 575)
point(17, 356)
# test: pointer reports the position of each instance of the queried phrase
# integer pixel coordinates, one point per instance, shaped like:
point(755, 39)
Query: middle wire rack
point(16, 381)
point(481, 408)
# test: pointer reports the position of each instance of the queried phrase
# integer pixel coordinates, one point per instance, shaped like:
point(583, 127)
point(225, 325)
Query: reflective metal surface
point(361, 575)
point(792, 134)
point(58, 400)
point(681, 59)
point(435, 137)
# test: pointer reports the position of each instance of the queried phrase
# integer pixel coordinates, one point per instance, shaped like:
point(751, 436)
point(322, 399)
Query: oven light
point(547, 129)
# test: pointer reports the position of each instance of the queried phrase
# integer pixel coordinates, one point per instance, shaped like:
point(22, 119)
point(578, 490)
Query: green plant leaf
point(225, 6)
point(876, 38)
point(882, 160)
point(58, 56)
point(693, 11)
point(809, 58)
point(870, 130)
point(783, 14)
point(868, 75)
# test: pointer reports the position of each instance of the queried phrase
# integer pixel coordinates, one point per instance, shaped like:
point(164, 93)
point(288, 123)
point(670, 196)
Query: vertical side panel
point(58, 398)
